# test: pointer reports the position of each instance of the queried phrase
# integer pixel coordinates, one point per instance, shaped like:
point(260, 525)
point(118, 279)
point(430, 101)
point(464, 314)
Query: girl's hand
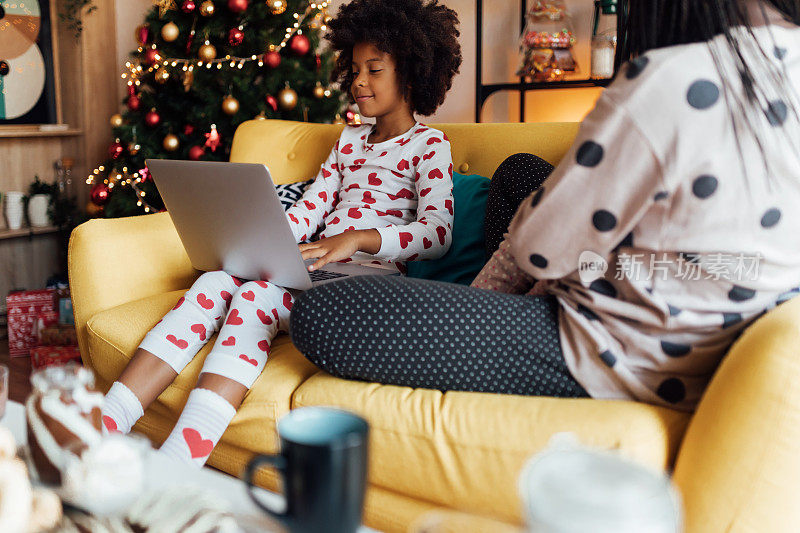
point(341, 246)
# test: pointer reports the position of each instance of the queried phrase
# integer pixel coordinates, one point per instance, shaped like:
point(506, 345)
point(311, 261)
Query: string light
point(235, 62)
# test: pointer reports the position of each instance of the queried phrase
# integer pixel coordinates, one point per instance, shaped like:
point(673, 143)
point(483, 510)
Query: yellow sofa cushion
point(465, 450)
point(477, 148)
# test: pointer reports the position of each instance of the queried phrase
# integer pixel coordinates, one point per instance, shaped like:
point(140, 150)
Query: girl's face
point(376, 87)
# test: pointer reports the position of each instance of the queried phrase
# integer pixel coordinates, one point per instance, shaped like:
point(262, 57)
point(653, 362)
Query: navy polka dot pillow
point(289, 193)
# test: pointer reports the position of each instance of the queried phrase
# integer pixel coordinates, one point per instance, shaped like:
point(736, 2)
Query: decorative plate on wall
point(27, 85)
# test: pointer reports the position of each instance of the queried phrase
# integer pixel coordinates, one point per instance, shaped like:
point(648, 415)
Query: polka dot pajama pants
point(427, 334)
point(247, 316)
point(513, 181)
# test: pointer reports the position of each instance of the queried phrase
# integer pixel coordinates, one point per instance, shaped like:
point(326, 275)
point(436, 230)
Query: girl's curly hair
point(421, 36)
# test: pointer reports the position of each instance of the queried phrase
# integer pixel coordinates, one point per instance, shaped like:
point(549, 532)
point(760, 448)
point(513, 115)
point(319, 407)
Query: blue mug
point(323, 465)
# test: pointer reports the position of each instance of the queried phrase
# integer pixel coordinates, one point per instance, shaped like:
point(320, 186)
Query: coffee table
point(162, 473)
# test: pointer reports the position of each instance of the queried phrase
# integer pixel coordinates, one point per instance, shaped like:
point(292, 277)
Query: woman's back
point(696, 219)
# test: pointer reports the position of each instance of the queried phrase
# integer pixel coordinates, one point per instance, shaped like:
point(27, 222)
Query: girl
point(667, 228)
point(383, 196)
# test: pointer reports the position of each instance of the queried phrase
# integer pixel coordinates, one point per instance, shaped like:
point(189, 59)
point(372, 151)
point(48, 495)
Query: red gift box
point(23, 309)
point(43, 356)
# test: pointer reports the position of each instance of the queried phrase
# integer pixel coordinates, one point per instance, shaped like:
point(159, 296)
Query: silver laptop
point(229, 218)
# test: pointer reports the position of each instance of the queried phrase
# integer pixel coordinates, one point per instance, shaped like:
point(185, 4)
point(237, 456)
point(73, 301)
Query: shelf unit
point(26, 232)
point(484, 90)
point(8, 132)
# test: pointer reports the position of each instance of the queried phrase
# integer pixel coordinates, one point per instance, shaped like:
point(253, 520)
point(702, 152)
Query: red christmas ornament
point(318, 61)
point(144, 174)
point(189, 41)
point(235, 37)
point(142, 34)
point(212, 138)
point(152, 118)
point(134, 103)
point(350, 115)
point(196, 152)
point(272, 102)
point(272, 59)
point(152, 56)
point(188, 129)
point(99, 194)
point(300, 45)
point(188, 6)
point(115, 150)
point(238, 6)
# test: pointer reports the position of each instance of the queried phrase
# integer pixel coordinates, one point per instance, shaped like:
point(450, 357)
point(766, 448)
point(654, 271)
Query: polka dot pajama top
point(699, 235)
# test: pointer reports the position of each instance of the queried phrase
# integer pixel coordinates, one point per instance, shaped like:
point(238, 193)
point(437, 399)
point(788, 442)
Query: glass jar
point(604, 38)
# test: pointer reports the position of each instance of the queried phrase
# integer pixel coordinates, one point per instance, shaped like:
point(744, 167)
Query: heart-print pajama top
point(403, 187)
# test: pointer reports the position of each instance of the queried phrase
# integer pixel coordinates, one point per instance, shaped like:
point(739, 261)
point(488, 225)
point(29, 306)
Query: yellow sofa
point(736, 460)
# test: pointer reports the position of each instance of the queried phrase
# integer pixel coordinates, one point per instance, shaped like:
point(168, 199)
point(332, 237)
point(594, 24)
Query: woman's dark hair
point(648, 24)
point(421, 36)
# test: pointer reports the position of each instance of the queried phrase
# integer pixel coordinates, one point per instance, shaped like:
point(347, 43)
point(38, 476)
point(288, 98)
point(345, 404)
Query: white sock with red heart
point(121, 409)
point(199, 428)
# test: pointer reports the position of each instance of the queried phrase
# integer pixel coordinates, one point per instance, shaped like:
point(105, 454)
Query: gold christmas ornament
point(277, 7)
point(170, 32)
point(207, 52)
point(164, 6)
point(287, 98)
point(162, 75)
point(116, 120)
point(207, 8)
point(338, 119)
point(319, 90)
point(188, 79)
point(171, 143)
point(133, 148)
point(230, 105)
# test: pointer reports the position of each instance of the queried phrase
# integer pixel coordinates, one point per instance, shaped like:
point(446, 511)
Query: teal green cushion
point(466, 255)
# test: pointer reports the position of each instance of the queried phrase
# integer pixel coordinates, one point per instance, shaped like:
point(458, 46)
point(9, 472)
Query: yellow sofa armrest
point(114, 261)
point(738, 467)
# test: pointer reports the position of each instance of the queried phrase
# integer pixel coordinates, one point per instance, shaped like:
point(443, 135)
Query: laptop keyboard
point(321, 275)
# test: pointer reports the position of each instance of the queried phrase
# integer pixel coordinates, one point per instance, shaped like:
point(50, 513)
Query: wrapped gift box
point(24, 308)
point(57, 335)
point(43, 356)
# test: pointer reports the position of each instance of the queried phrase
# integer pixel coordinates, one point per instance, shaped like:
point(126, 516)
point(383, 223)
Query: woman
point(683, 182)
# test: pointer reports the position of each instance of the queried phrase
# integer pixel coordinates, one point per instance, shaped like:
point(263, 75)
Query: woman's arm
point(592, 201)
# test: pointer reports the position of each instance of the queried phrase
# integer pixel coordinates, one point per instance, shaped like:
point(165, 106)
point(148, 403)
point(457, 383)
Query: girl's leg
point(513, 181)
point(257, 312)
point(427, 334)
point(168, 348)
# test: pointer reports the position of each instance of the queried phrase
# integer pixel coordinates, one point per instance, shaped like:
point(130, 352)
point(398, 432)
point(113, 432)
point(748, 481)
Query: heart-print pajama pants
point(247, 316)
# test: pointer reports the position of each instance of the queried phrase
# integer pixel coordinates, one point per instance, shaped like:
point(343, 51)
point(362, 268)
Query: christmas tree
point(203, 68)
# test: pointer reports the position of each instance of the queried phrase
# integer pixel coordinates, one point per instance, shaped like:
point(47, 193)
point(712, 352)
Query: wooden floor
point(19, 374)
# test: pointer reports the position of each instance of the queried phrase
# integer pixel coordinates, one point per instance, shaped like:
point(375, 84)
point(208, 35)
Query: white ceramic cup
point(14, 209)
